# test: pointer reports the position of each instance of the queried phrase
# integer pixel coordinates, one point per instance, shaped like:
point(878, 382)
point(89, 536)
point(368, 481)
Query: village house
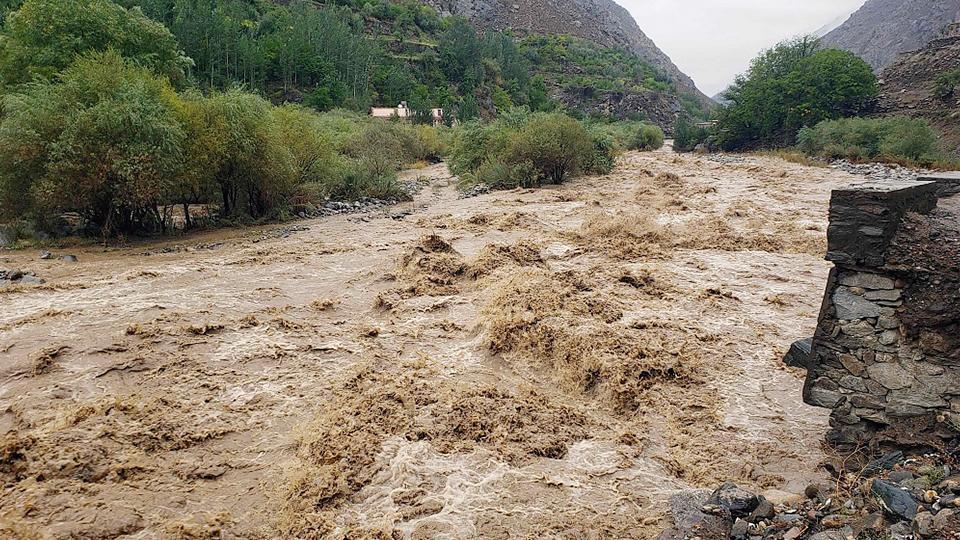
point(403, 112)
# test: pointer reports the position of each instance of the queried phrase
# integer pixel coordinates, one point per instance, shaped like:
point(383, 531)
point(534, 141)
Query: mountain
point(882, 29)
point(600, 21)
point(830, 26)
point(924, 84)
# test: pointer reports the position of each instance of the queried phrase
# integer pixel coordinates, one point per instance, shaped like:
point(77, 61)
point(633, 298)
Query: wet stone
point(853, 383)
point(896, 501)
point(739, 502)
point(891, 376)
point(851, 364)
point(852, 307)
point(889, 337)
point(867, 281)
point(888, 322)
point(822, 397)
point(891, 295)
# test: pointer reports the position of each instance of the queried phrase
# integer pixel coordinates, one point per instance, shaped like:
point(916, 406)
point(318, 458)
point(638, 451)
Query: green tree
point(793, 85)
point(556, 145)
point(104, 142)
point(45, 36)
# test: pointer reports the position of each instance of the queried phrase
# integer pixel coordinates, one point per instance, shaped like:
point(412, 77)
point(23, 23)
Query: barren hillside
point(882, 29)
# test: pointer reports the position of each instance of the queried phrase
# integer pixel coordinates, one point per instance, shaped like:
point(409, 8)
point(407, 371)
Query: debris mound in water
point(496, 256)
point(557, 322)
point(624, 235)
point(432, 267)
point(338, 453)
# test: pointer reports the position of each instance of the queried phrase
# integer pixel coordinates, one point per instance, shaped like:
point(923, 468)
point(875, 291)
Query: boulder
point(799, 353)
point(896, 501)
point(739, 502)
point(689, 519)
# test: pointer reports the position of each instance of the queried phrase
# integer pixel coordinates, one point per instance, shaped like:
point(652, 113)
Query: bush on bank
point(523, 149)
point(893, 139)
point(115, 143)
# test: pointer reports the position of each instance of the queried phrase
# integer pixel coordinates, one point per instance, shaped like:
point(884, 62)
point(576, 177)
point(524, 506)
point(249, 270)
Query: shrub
point(524, 149)
point(647, 137)
point(557, 145)
point(314, 158)
point(687, 136)
point(604, 154)
point(870, 138)
point(105, 143)
point(946, 83)
point(254, 173)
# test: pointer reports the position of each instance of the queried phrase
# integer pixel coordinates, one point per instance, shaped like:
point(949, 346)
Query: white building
point(403, 112)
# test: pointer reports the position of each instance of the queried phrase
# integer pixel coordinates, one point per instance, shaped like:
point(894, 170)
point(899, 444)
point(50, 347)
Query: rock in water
point(799, 353)
point(739, 502)
point(46, 255)
point(896, 501)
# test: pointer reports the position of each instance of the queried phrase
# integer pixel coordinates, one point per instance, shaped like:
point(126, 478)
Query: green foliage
point(105, 143)
point(647, 137)
point(115, 143)
point(577, 63)
point(604, 156)
point(528, 149)
point(557, 145)
point(793, 85)
point(946, 83)
point(45, 36)
point(897, 138)
point(687, 136)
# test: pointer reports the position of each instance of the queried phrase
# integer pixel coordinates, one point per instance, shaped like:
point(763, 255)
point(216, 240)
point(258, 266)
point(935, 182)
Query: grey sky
point(714, 40)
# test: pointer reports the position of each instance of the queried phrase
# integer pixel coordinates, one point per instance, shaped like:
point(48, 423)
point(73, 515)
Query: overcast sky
point(714, 40)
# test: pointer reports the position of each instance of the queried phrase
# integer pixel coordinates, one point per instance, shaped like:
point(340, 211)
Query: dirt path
point(549, 362)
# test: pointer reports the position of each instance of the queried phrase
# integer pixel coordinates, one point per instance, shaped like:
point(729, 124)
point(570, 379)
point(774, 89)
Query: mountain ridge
point(882, 29)
point(602, 21)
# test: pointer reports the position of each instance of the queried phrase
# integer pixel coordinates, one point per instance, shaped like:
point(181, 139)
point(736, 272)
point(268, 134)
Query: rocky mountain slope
point(910, 86)
point(601, 21)
point(882, 29)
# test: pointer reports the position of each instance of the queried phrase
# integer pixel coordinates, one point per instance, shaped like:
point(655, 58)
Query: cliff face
point(601, 21)
point(882, 29)
point(909, 87)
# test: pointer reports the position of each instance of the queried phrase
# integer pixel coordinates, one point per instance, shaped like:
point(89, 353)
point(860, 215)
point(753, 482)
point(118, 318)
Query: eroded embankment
point(553, 361)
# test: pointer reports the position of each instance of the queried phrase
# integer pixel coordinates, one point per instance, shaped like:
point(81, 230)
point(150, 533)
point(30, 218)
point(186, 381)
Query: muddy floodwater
point(549, 363)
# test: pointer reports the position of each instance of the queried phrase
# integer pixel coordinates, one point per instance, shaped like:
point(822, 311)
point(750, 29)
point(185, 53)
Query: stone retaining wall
point(886, 354)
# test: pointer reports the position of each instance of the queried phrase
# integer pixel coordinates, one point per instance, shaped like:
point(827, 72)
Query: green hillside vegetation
point(120, 115)
point(793, 85)
point(577, 64)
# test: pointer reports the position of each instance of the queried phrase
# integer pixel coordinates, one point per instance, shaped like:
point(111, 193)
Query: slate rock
point(884, 463)
point(739, 502)
point(852, 307)
point(837, 534)
point(896, 502)
point(799, 353)
point(866, 280)
point(891, 376)
point(901, 531)
point(764, 510)
point(689, 519)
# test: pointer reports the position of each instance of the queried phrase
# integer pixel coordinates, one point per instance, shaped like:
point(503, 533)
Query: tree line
point(102, 117)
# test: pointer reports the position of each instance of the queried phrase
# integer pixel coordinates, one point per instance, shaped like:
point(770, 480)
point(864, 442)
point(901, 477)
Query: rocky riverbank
point(895, 497)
